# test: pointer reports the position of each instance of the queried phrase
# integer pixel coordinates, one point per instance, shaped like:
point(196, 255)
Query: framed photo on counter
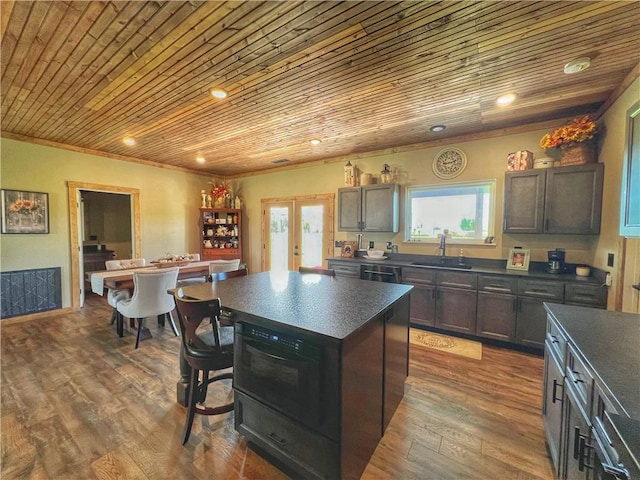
point(518, 259)
point(348, 248)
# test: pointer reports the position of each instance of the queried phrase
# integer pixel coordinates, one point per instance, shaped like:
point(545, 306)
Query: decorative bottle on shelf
point(236, 203)
point(461, 258)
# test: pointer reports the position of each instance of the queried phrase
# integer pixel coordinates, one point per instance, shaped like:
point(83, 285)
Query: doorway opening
point(297, 231)
point(98, 213)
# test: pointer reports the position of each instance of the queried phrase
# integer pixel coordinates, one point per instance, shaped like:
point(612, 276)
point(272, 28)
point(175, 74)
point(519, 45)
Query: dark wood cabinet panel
point(552, 404)
point(456, 309)
point(531, 322)
point(496, 316)
point(573, 199)
point(524, 201)
point(423, 305)
point(562, 200)
point(396, 358)
point(373, 208)
point(349, 209)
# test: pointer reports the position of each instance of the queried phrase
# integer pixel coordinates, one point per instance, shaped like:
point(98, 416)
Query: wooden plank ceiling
point(359, 76)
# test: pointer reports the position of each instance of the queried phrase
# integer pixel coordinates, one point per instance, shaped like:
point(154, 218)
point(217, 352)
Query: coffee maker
point(556, 261)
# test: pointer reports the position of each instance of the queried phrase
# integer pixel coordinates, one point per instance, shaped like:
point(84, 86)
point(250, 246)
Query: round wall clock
point(449, 163)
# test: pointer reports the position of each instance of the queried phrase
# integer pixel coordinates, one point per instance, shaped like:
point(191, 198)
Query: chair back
point(191, 313)
point(217, 277)
point(216, 266)
point(150, 297)
point(320, 271)
point(125, 263)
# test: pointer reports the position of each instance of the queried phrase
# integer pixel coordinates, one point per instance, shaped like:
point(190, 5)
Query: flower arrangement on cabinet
point(220, 191)
point(579, 130)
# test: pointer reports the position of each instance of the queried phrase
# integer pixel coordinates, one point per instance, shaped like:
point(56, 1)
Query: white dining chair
point(150, 297)
point(113, 295)
point(217, 266)
point(195, 257)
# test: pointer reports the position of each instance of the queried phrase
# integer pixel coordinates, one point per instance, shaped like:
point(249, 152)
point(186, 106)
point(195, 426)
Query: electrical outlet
point(607, 280)
point(610, 260)
point(338, 243)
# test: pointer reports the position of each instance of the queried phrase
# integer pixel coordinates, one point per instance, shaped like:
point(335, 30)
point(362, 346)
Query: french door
point(297, 231)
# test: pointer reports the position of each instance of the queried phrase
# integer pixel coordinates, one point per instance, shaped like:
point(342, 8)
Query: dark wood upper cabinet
point(566, 200)
point(372, 208)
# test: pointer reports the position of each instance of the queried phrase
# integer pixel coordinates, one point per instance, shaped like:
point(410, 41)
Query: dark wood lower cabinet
point(553, 398)
point(423, 305)
point(456, 309)
point(578, 458)
point(531, 322)
point(496, 316)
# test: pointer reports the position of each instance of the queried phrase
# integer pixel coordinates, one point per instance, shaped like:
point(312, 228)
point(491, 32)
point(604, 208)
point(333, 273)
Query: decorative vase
point(218, 203)
point(578, 154)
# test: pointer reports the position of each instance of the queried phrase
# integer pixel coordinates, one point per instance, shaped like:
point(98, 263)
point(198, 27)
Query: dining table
point(123, 279)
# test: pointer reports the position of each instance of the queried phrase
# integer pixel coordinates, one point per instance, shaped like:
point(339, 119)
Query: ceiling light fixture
point(315, 141)
point(577, 65)
point(506, 99)
point(200, 159)
point(438, 128)
point(218, 92)
point(130, 141)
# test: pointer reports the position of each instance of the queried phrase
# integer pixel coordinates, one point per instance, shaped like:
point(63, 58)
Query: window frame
point(491, 183)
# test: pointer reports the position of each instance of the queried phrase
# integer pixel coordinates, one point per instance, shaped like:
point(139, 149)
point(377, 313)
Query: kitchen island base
point(372, 365)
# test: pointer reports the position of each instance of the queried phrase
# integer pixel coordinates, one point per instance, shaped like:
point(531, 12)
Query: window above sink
point(466, 209)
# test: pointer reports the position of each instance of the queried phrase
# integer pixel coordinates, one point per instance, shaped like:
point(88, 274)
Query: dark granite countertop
point(334, 307)
point(481, 265)
point(609, 342)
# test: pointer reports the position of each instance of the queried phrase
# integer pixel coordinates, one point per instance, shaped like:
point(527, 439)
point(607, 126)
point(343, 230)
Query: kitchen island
point(591, 409)
point(319, 366)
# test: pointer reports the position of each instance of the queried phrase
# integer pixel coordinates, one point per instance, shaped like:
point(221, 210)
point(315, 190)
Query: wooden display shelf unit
point(220, 233)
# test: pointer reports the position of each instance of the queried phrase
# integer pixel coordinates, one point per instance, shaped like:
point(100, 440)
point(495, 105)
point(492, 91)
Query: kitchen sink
point(442, 265)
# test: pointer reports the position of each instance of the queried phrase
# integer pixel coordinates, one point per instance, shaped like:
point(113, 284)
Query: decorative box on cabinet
point(563, 200)
point(372, 208)
point(220, 233)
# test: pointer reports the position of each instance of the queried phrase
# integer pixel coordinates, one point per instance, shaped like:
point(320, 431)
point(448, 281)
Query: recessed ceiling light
point(200, 159)
point(506, 99)
point(218, 92)
point(315, 141)
point(438, 128)
point(577, 65)
point(130, 141)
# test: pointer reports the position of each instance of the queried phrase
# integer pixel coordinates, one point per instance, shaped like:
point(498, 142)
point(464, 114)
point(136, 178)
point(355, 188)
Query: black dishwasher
point(380, 273)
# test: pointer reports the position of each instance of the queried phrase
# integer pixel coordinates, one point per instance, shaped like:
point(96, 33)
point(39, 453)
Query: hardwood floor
point(78, 402)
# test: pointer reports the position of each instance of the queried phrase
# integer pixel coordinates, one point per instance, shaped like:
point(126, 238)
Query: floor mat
point(445, 343)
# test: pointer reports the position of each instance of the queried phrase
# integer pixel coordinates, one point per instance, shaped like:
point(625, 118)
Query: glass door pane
point(279, 244)
point(311, 235)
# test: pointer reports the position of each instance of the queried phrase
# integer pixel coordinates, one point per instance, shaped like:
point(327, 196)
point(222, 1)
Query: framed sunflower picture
point(24, 212)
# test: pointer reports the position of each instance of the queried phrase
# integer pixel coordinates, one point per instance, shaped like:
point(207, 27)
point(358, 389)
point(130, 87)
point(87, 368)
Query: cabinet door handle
point(553, 393)
point(581, 454)
point(433, 293)
point(554, 339)
point(576, 440)
point(515, 305)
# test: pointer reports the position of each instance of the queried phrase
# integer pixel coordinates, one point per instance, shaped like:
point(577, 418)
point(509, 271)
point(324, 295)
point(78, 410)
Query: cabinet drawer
point(314, 455)
point(490, 283)
point(589, 295)
point(556, 341)
point(346, 270)
point(579, 376)
point(541, 289)
point(458, 279)
point(418, 276)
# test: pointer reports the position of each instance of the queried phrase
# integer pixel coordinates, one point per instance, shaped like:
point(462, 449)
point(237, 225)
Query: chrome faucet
point(443, 245)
